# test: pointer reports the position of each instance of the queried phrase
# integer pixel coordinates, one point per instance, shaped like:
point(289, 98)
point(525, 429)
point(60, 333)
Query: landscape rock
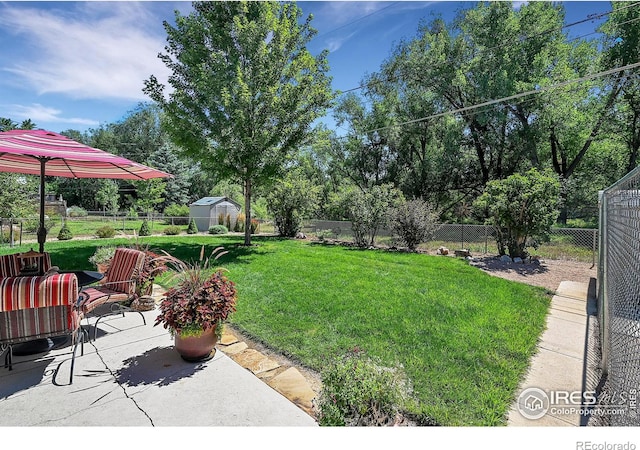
point(517, 260)
point(505, 258)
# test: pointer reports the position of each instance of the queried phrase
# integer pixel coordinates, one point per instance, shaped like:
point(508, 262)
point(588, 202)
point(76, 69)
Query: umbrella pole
point(42, 231)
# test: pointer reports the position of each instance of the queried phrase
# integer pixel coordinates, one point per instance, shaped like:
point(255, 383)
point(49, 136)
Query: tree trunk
point(247, 211)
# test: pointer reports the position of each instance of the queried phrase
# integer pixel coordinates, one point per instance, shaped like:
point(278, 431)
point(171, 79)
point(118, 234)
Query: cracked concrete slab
point(132, 376)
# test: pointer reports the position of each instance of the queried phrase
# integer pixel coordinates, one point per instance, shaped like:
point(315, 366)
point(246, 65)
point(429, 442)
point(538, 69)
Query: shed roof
point(212, 201)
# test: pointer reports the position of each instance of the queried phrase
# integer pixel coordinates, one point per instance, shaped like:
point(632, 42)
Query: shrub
point(6, 237)
point(105, 232)
point(290, 201)
point(176, 214)
point(32, 224)
point(172, 230)
point(221, 219)
point(522, 208)
point(76, 211)
point(145, 230)
point(193, 228)
point(65, 233)
point(254, 225)
point(228, 222)
point(102, 255)
point(413, 222)
point(357, 391)
point(239, 227)
point(218, 229)
point(369, 211)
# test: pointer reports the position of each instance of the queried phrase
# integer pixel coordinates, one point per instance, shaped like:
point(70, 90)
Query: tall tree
point(245, 88)
point(621, 42)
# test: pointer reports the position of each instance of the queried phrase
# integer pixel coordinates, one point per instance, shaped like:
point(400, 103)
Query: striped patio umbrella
point(45, 153)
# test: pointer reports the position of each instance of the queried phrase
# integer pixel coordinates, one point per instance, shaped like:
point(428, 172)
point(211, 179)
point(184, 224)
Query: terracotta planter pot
point(197, 348)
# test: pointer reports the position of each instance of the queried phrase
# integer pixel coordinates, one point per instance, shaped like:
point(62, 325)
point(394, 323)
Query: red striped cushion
point(38, 305)
point(124, 266)
point(36, 292)
point(9, 266)
point(28, 324)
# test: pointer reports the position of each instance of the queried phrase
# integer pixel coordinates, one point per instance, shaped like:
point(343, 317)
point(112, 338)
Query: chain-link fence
point(574, 244)
point(619, 296)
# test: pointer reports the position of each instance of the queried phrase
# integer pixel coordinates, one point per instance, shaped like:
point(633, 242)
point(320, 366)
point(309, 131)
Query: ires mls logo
point(533, 403)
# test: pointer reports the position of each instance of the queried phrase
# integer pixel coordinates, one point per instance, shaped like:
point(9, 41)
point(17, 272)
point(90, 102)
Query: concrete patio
point(132, 376)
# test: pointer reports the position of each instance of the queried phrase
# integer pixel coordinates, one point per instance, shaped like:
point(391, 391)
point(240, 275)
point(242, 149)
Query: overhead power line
point(503, 99)
point(589, 18)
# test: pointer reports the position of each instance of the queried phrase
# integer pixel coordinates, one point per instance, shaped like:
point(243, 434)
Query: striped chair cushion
point(28, 324)
point(9, 266)
point(33, 307)
point(124, 267)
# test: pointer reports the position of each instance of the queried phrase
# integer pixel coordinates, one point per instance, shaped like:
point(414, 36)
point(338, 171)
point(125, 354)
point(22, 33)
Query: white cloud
point(341, 12)
point(334, 43)
point(94, 50)
point(39, 113)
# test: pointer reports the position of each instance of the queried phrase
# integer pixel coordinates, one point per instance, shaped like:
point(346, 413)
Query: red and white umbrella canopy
point(44, 153)
point(25, 151)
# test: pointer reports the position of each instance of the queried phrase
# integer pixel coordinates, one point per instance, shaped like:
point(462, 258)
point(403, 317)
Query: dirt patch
point(546, 273)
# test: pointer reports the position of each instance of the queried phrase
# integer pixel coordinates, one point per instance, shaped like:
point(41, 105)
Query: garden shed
point(207, 211)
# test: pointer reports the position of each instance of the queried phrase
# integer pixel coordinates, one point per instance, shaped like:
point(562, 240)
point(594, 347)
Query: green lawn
point(463, 337)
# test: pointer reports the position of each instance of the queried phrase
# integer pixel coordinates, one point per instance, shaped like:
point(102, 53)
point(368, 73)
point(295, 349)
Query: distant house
point(207, 212)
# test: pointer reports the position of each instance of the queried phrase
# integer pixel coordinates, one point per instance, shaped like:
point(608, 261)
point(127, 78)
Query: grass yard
point(464, 338)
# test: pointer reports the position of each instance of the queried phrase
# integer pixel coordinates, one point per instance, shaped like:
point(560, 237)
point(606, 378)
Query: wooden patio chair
point(117, 288)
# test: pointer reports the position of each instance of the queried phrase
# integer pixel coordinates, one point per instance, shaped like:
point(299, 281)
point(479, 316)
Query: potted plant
point(102, 257)
point(195, 308)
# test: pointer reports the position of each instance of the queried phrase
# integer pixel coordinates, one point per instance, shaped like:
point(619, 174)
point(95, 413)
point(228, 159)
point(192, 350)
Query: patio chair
point(34, 262)
point(118, 287)
point(39, 307)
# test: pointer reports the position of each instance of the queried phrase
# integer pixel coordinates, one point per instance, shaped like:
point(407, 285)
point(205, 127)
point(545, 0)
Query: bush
point(102, 255)
point(254, 226)
point(218, 229)
point(369, 211)
point(105, 232)
point(522, 208)
point(76, 211)
point(176, 214)
point(32, 224)
point(172, 230)
point(239, 227)
point(357, 391)
point(193, 228)
point(413, 222)
point(65, 233)
point(6, 237)
point(290, 201)
point(144, 229)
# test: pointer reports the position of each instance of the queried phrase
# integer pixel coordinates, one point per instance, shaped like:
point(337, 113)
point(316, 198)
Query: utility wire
point(589, 18)
point(501, 100)
point(356, 20)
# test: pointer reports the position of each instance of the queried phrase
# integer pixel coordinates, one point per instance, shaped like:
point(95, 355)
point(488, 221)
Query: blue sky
point(77, 65)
